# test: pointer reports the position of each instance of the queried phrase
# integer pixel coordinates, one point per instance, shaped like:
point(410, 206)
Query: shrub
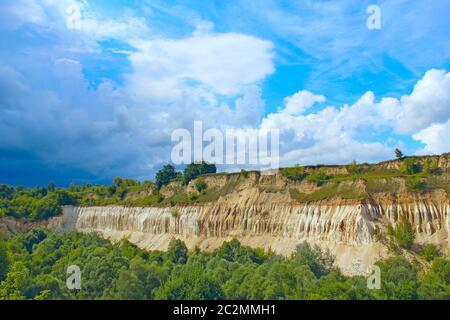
point(354, 168)
point(147, 201)
point(295, 173)
point(200, 185)
point(415, 184)
point(431, 167)
point(429, 252)
point(175, 212)
point(318, 176)
point(403, 233)
point(193, 196)
point(409, 166)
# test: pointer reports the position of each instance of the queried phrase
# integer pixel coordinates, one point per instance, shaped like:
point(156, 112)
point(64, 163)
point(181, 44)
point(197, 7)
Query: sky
point(90, 90)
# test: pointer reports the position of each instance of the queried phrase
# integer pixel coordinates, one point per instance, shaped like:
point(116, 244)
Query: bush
point(415, 184)
point(403, 233)
point(429, 252)
point(353, 168)
point(318, 176)
point(244, 173)
point(147, 201)
point(175, 212)
point(295, 173)
point(193, 196)
point(431, 167)
point(200, 185)
point(409, 166)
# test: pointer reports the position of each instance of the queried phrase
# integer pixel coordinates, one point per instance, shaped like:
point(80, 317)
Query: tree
point(335, 286)
point(33, 237)
point(45, 208)
point(4, 261)
point(177, 251)
point(165, 175)
point(399, 279)
point(189, 282)
point(319, 261)
point(436, 283)
point(51, 186)
point(117, 182)
point(6, 191)
point(398, 153)
point(233, 251)
point(126, 287)
point(193, 170)
point(15, 284)
point(72, 187)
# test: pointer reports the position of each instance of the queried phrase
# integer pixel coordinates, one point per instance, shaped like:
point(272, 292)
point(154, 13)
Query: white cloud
point(436, 138)
point(220, 63)
point(300, 102)
point(428, 103)
point(338, 135)
point(250, 107)
point(17, 12)
point(125, 28)
point(327, 136)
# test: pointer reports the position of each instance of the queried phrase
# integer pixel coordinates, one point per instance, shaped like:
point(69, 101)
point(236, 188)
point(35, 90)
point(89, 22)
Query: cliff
point(261, 211)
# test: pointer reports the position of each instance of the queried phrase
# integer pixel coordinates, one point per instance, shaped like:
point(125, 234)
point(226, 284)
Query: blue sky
point(99, 98)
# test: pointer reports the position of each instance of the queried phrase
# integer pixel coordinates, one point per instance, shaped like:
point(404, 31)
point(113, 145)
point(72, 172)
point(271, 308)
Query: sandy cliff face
point(348, 228)
point(261, 211)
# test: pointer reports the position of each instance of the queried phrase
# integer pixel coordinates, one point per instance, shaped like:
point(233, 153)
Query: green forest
point(41, 203)
point(34, 265)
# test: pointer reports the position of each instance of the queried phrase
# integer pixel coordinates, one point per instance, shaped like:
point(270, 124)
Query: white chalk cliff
point(269, 219)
